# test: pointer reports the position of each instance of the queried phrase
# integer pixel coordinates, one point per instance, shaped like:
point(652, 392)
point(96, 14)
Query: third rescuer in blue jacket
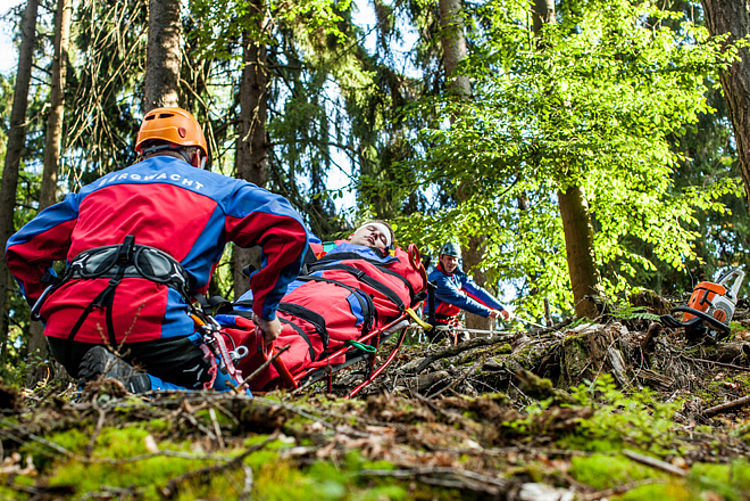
point(456, 291)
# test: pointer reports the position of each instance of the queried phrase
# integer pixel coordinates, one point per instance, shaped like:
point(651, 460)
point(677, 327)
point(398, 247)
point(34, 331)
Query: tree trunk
point(252, 144)
point(576, 220)
point(16, 142)
point(453, 43)
point(37, 348)
point(579, 248)
point(732, 16)
point(544, 13)
point(163, 55)
point(53, 139)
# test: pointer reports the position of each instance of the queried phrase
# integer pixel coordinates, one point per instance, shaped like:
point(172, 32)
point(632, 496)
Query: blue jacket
point(456, 291)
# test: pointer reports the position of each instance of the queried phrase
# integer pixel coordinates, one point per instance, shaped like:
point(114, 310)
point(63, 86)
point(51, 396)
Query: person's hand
point(495, 313)
point(270, 328)
point(507, 315)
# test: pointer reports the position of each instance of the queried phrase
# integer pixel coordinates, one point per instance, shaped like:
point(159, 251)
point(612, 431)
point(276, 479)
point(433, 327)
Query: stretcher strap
point(302, 334)
point(366, 279)
point(334, 261)
point(368, 308)
point(311, 316)
point(418, 320)
point(367, 348)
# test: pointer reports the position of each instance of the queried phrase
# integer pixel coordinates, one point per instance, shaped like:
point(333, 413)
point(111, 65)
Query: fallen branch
point(484, 341)
point(715, 362)
point(445, 477)
point(467, 345)
point(727, 406)
point(655, 463)
point(460, 379)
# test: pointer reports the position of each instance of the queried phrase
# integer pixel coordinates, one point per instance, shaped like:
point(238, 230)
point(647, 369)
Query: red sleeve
point(283, 240)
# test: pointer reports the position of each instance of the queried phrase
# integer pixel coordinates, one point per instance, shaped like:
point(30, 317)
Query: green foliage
point(623, 419)
point(591, 101)
point(605, 471)
point(629, 312)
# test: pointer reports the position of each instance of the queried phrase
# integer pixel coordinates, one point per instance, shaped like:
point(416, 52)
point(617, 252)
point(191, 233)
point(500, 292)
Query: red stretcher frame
point(323, 368)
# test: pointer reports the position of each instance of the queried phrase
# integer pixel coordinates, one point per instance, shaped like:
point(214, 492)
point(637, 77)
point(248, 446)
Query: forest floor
point(618, 408)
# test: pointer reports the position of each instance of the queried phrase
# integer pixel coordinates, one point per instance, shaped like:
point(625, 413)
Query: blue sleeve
point(448, 292)
point(480, 294)
point(31, 251)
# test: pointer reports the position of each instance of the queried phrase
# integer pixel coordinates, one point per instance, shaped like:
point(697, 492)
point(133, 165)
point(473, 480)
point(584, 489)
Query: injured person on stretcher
point(360, 285)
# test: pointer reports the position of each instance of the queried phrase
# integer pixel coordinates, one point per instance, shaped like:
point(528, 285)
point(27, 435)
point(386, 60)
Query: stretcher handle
point(415, 258)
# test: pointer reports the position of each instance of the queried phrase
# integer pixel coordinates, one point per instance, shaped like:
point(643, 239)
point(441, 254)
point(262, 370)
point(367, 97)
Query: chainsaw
point(710, 308)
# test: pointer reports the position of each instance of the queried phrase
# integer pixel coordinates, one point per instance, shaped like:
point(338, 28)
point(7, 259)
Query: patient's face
point(370, 235)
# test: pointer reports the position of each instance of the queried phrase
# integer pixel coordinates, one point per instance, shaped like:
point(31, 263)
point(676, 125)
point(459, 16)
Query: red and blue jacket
point(168, 204)
point(455, 292)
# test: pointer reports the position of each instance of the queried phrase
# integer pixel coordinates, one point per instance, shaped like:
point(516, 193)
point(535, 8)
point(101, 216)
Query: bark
point(16, 142)
point(252, 143)
point(163, 55)
point(579, 248)
point(544, 13)
point(577, 226)
point(53, 139)
point(732, 16)
point(453, 43)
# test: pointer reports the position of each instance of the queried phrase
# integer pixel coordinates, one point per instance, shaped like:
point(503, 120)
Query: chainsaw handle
point(703, 316)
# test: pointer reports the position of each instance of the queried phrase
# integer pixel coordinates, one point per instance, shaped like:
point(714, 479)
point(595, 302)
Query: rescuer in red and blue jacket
point(455, 291)
point(139, 243)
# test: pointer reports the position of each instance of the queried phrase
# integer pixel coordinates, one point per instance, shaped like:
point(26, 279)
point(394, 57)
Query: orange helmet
point(171, 124)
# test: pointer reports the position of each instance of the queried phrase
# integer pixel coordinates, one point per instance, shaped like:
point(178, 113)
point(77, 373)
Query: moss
point(159, 426)
point(146, 475)
point(503, 349)
point(9, 492)
point(499, 397)
point(280, 480)
point(730, 481)
point(74, 441)
point(605, 471)
point(658, 492)
point(222, 419)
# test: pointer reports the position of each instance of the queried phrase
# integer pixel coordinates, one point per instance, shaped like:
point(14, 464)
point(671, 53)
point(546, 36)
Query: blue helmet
point(451, 249)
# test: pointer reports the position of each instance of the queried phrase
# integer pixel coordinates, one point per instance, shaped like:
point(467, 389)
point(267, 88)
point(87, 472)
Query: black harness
point(125, 260)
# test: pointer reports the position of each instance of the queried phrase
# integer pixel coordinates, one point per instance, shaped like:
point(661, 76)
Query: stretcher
point(364, 349)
